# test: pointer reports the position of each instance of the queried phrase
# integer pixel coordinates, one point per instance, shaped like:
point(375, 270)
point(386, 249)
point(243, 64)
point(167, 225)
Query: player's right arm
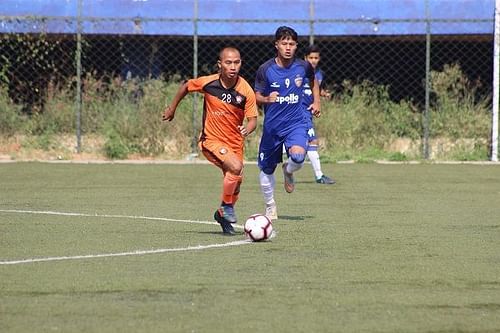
point(261, 99)
point(262, 87)
point(169, 112)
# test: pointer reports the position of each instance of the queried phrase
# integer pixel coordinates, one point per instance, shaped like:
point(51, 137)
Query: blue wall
point(173, 17)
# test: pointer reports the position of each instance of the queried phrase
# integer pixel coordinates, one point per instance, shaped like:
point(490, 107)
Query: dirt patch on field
point(64, 148)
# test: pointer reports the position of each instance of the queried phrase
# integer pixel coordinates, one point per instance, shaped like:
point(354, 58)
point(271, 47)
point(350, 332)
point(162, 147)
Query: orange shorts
point(217, 152)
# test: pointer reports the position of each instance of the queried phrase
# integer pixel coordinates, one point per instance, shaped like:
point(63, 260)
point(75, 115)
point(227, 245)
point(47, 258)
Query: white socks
point(292, 166)
point(267, 182)
point(315, 163)
point(267, 187)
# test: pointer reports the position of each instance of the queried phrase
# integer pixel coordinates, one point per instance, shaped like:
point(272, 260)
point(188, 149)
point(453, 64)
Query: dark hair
point(229, 47)
point(284, 32)
point(312, 49)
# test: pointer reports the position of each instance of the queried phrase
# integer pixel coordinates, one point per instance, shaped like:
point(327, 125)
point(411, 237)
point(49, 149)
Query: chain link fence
point(34, 64)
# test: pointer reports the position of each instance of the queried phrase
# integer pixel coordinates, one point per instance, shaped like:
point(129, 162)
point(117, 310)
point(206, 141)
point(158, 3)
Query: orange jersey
point(224, 109)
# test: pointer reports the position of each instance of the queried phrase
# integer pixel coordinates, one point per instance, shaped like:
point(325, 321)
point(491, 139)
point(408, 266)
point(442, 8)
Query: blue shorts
point(271, 147)
point(311, 134)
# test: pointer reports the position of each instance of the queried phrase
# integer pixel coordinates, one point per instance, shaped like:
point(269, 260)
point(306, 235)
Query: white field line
point(48, 212)
point(120, 254)
point(123, 254)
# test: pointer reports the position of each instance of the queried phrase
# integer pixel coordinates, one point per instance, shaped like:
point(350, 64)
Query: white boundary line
point(48, 212)
point(123, 254)
point(120, 254)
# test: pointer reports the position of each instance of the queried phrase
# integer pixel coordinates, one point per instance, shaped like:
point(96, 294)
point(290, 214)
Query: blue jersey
point(286, 113)
point(308, 95)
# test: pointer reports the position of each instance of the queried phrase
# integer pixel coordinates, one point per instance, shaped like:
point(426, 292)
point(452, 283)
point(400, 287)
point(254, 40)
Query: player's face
point(313, 59)
point(286, 48)
point(230, 63)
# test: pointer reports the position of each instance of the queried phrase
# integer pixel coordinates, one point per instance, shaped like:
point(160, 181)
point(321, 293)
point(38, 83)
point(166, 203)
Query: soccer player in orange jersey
point(229, 100)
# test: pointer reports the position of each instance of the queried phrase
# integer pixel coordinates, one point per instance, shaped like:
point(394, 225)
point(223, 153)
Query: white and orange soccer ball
point(258, 227)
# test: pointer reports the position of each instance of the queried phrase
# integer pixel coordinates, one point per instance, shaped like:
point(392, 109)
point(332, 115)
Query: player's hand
point(243, 131)
point(168, 114)
point(314, 109)
point(272, 97)
point(326, 94)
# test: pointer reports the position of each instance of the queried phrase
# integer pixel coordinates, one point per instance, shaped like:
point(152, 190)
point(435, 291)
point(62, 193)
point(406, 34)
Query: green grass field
point(390, 248)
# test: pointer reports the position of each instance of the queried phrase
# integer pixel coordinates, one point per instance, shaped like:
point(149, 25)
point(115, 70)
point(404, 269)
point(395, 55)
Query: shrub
point(364, 117)
point(10, 114)
point(58, 114)
point(114, 147)
point(458, 110)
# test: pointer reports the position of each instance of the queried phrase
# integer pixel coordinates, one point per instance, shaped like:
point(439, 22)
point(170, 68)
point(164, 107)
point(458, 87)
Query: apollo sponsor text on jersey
point(289, 99)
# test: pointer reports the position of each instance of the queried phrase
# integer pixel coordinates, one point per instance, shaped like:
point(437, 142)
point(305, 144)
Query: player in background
point(313, 56)
point(228, 101)
point(279, 89)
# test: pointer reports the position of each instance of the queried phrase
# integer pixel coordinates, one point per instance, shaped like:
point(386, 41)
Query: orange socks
point(231, 188)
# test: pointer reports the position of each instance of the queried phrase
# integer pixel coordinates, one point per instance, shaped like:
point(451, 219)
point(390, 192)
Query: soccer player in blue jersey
point(279, 89)
point(313, 56)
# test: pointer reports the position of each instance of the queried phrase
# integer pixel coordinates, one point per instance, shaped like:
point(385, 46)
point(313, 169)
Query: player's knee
point(238, 169)
point(233, 166)
point(298, 157)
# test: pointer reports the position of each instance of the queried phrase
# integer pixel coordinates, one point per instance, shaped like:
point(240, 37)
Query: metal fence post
point(78, 97)
point(195, 74)
point(311, 22)
point(496, 78)
point(427, 80)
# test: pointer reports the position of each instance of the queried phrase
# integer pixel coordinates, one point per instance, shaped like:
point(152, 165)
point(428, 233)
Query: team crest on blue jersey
point(298, 81)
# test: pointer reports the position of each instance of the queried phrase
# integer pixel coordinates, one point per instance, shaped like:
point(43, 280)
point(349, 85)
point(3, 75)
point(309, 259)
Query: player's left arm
point(250, 114)
point(315, 107)
point(323, 91)
point(249, 128)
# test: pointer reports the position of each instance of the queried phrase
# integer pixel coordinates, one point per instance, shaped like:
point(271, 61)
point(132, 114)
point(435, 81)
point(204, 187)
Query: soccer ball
point(258, 227)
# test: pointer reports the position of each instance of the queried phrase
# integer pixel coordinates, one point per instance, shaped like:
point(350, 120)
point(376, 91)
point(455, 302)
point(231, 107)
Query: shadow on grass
point(218, 232)
point(294, 218)
point(313, 182)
